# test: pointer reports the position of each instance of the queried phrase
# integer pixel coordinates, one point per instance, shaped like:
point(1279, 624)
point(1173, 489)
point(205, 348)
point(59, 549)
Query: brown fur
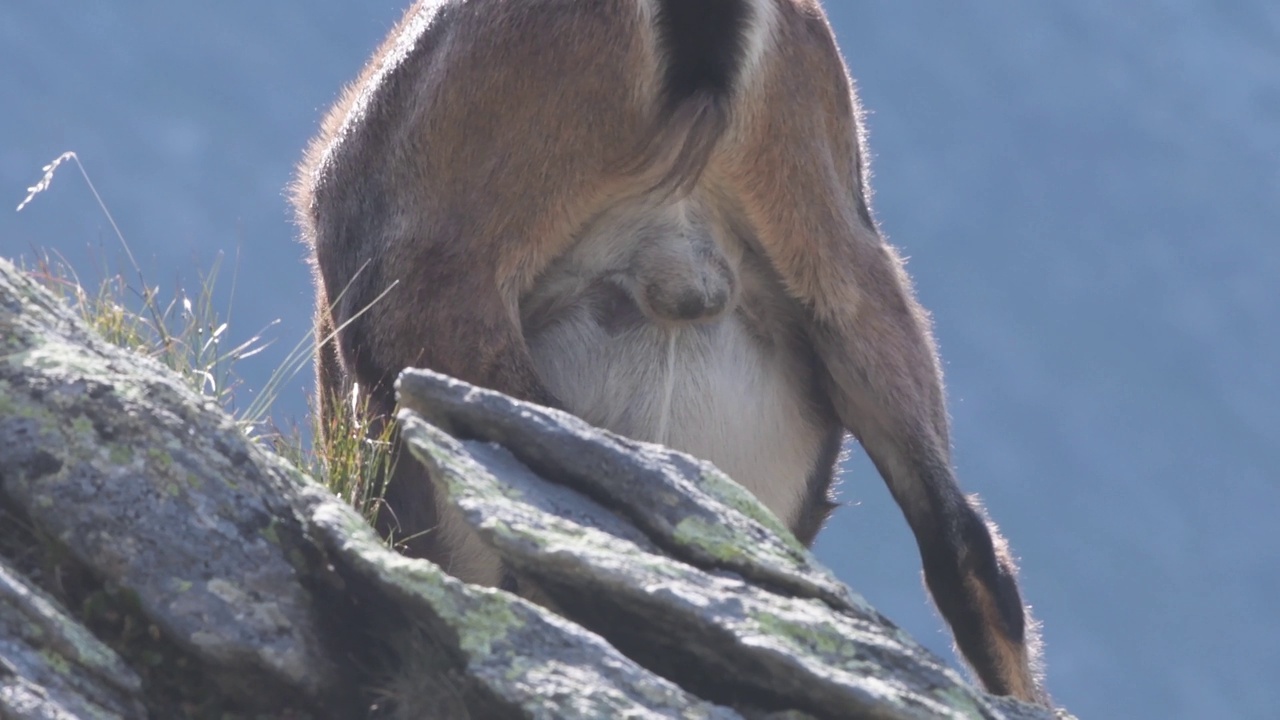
point(479, 164)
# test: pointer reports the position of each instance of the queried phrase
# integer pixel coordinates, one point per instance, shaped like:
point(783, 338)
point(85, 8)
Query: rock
point(514, 658)
point(772, 627)
point(158, 492)
point(684, 504)
point(233, 585)
point(51, 667)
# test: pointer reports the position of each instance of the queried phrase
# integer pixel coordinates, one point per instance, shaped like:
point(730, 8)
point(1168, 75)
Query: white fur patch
point(712, 389)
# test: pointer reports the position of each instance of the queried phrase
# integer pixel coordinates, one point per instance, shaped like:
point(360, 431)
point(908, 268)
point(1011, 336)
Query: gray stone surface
point(698, 607)
point(515, 659)
point(158, 492)
point(676, 595)
point(51, 667)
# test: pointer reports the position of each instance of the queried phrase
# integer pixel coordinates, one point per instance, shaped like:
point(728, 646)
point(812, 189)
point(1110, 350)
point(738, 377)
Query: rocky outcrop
point(156, 563)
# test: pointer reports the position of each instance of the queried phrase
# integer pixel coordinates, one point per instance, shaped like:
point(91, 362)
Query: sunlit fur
point(656, 215)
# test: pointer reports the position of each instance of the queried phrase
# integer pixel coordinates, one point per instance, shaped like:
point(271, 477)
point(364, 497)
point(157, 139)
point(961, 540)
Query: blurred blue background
point(1089, 193)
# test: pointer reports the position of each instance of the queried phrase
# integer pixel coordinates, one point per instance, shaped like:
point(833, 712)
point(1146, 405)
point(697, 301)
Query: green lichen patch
point(269, 532)
point(120, 454)
point(82, 426)
point(481, 617)
point(728, 492)
point(720, 542)
point(855, 655)
point(159, 459)
point(816, 637)
point(56, 662)
point(7, 404)
point(787, 565)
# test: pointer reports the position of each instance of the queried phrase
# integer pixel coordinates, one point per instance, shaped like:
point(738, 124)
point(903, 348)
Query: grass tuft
point(347, 458)
point(188, 334)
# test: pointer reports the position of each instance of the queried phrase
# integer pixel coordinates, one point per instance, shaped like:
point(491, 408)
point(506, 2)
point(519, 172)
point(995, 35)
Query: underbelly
point(709, 389)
